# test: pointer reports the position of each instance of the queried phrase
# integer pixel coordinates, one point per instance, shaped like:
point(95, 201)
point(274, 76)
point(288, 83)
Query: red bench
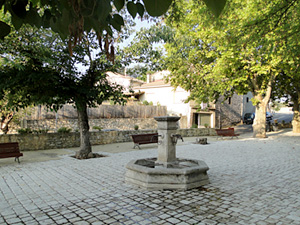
point(229, 132)
point(141, 139)
point(10, 150)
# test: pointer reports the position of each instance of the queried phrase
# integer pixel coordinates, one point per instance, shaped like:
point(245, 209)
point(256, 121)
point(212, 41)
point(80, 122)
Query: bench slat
point(10, 150)
point(140, 139)
point(229, 132)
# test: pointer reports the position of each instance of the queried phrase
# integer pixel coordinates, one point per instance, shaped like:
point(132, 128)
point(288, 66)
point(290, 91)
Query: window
point(229, 100)
point(247, 99)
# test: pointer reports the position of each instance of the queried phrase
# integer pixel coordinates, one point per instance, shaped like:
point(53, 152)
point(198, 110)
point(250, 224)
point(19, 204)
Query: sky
point(139, 24)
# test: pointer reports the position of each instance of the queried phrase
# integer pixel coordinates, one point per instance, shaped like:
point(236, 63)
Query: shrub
point(145, 102)
point(41, 131)
point(194, 126)
point(64, 130)
point(97, 128)
point(25, 131)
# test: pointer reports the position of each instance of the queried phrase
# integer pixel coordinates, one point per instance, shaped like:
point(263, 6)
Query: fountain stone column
point(166, 126)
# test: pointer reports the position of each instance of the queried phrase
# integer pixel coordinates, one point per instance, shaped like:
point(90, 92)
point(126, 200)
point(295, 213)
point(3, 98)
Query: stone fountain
point(166, 171)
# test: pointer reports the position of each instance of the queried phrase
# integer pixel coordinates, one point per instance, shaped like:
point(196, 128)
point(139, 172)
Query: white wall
point(166, 96)
point(248, 106)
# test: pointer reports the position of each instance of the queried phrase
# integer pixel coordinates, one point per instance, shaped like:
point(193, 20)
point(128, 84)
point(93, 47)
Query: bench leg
point(17, 158)
point(137, 146)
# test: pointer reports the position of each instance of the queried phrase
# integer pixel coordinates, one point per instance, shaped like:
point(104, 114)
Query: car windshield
point(248, 115)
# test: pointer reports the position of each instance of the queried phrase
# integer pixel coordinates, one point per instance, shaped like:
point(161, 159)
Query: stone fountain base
point(183, 174)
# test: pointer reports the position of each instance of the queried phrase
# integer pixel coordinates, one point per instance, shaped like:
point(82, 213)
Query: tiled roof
point(159, 83)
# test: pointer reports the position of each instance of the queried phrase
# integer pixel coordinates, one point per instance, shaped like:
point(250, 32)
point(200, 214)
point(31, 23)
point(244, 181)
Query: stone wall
point(114, 123)
point(101, 111)
point(106, 116)
point(228, 112)
point(31, 142)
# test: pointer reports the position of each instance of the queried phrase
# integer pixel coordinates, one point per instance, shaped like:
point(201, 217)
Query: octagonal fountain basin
point(183, 174)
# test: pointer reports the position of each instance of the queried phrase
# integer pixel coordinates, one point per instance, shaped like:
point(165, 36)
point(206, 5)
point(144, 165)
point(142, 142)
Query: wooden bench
point(10, 150)
point(229, 132)
point(141, 139)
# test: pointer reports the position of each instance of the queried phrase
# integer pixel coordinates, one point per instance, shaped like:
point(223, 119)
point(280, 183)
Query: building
point(127, 82)
point(220, 114)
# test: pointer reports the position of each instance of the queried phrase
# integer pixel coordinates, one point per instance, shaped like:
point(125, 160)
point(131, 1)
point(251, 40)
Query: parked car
point(269, 116)
point(249, 117)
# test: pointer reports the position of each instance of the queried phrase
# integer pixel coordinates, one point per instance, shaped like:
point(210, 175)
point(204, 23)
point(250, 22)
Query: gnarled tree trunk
point(83, 124)
point(259, 123)
point(296, 118)
point(5, 120)
point(262, 100)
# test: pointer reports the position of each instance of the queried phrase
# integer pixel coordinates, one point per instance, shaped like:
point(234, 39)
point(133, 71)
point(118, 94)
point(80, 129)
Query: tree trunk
point(296, 118)
point(259, 124)
point(5, 121)
point(83, 124)
point(261, 100)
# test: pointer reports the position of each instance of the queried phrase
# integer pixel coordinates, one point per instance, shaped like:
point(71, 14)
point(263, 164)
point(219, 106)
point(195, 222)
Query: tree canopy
point(146, 50)
point(35, 65)
point(240, 52)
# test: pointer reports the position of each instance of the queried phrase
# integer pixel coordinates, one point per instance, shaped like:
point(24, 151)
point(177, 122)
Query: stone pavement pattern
point(252, 182)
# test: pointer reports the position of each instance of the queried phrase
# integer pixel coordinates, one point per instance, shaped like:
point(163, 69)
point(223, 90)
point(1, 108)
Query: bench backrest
point(9, 147)
point(228, 131)
point(145, 137)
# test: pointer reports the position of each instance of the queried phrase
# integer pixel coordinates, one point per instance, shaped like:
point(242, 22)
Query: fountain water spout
point(175, 138)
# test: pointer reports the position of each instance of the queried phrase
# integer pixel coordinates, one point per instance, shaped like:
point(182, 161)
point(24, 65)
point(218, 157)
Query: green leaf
point(132, 9)
point(140, 9)
point(157, 7)
point(19, 8)
point(118, 19)
point(116, 25)
point(16, 21)
point(33, 18)
point(5, 29)
point(216, 6)
point(102, 10)
point(119, 4)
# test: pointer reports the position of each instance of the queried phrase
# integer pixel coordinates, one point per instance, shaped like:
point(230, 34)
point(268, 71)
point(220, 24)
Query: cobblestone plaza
point(252, 181)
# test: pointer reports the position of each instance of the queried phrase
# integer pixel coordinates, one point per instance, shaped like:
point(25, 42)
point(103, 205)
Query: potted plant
point(275, 125)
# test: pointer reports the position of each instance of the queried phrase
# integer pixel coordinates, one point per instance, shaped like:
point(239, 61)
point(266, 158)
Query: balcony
point(209, 106)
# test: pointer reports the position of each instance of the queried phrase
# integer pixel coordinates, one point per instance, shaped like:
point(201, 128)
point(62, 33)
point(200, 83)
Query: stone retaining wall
point(115, 123)
point(31, 142)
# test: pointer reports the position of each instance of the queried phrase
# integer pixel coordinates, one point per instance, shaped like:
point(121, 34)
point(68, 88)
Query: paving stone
point(250, 184)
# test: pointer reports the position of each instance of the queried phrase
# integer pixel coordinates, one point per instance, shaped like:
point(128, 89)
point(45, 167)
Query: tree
point(288, 80)
point(234, 54)
point(31, 74)
point(71, 19)
point(38, 67)
point(6, 115)
point(143, 52)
